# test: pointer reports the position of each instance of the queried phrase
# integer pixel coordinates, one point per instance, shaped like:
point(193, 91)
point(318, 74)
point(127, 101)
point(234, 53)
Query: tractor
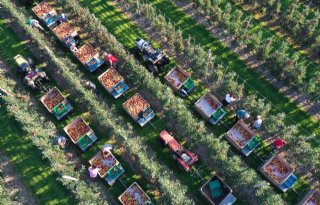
point(33, 77)
point(155, 59)
point(184, 157)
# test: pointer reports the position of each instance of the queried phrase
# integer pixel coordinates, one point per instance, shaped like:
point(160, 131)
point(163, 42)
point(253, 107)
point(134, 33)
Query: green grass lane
point(45, 182)
point(29, 163)
point(27, 159)
point(229, 58)
point(126, 32)
point(267, 32)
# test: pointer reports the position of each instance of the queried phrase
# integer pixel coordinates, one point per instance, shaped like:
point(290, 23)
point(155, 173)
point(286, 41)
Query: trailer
point(134, 195)
point(279, 172)
point(67, 34)
point(56, 103)
point(311, 198)
point(217, 192)
point(139, 109)
point(210, 108)
point(180, 81)
point(242, 138)
point(80, 133)
point(89, 57)
point(113, 82)
point(46, 14)
point(110, 170)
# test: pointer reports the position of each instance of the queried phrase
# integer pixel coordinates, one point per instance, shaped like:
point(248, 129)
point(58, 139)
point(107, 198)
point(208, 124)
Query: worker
point(35, 23)
point(242, 115)
point(228, 99)
point(111, 59)
point(61, 141)
point(73, 47)
point(279, 143)
point(90, 85)
point(257, 123)
point(63, 18)
point(93, 171)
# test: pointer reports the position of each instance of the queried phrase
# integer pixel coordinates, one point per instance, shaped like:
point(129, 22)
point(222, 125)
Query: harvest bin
point(217, 192)
point(134, 195)
point(139, 109)
point(111, 168)
point(80, 133)
point(180, 81)
point(46, 14)
point(89, 57)
point(113, 82)
point(56, 103)
point(66, 34)
point(242, 138)
point(279, 172)
point(210, 108)
point(311, 198)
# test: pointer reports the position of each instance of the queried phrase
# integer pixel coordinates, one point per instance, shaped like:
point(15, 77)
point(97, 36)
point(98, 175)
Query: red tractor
point(184, 157)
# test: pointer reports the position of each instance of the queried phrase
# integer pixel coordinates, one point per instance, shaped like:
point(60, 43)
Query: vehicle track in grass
point(301, 99)
point(150, 30)
point(196, 190)
point(14, 186)
point(18, 92)
point(117, 189)
point(224, 55)
point(34, 171)
point(116, 28)
point(89, 154)
point(109, 23)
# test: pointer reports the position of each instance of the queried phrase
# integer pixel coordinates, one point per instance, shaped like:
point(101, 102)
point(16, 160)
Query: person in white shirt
point(63, 18)
point(61, 141)
point(257, 124)
point(73, 47)
point(228, 99)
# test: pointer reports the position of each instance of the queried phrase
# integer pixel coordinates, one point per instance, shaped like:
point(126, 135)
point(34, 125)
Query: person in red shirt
point(111, 59)
point(279, 143)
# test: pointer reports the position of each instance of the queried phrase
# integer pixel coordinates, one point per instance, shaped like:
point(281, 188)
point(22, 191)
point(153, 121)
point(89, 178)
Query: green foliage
point(41, 134)
point(285, 66)
point(175, 109)
point(173, 191)
point(4, 198)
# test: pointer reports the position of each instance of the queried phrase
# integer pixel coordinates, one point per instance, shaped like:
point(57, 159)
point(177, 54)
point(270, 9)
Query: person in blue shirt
point(242, 114)
point(63, 18)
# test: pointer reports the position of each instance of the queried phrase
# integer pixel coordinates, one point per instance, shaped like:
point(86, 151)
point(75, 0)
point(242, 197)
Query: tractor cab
point(24, 66)
point(34, 78)
point(155, 58)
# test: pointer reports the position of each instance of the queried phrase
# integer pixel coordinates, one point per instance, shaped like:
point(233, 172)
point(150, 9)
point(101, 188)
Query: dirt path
point(300, 99)
point(15, 188)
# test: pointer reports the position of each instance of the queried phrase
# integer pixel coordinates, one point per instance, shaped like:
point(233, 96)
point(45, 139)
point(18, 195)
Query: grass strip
point(107, 122)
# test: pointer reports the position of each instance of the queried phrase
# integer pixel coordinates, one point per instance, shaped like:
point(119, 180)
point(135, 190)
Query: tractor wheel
point(20, 71)
point(31, 62)
point(136, 52)
point(160, 142)
point(182, 167)
point(152, 68)
point(166, 61)
point(46, 78)
point(174, 156)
